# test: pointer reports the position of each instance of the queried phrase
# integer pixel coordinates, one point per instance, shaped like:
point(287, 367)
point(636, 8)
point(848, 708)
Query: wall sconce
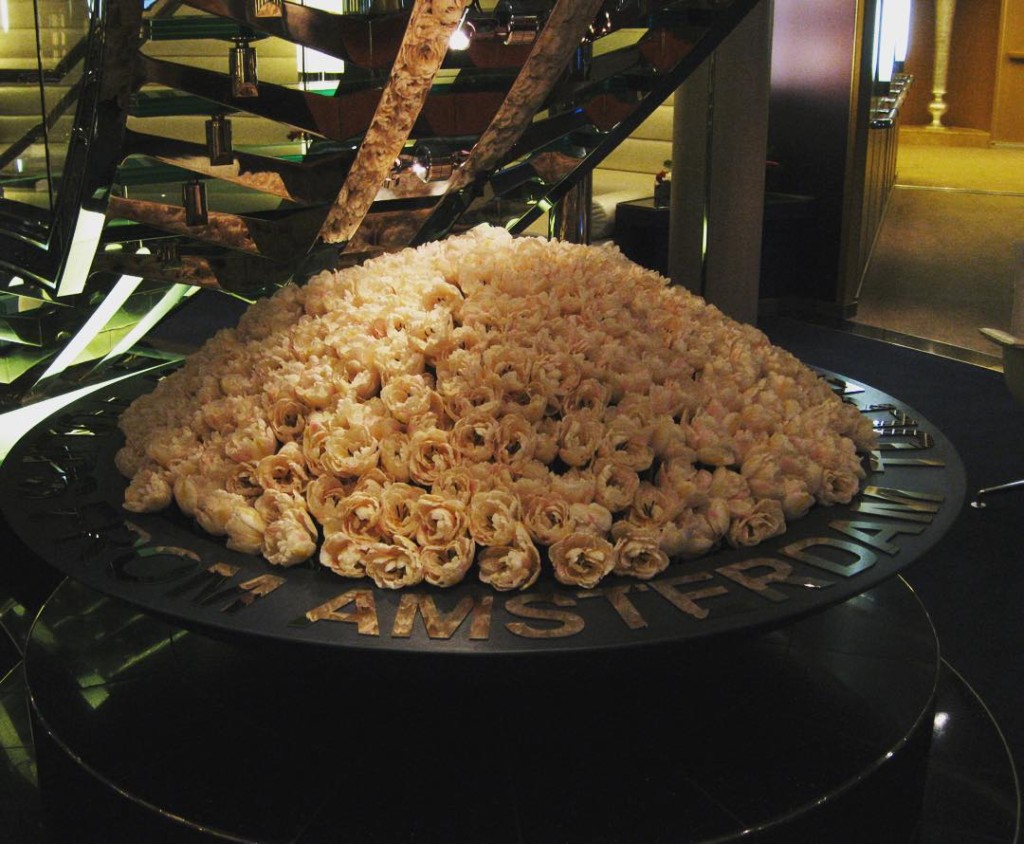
point(193, 197)
point(267, 8)
point(242, 66)
point(218, 140)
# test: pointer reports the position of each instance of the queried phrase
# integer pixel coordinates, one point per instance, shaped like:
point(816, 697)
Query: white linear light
point(892, 37)
point(84, 243)
point(901, 19)
point(5, 16)
point(104, 312)
point(16, 422)
point(155, 314)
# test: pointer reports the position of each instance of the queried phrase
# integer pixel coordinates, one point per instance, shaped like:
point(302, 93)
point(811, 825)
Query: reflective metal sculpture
point(295, 178)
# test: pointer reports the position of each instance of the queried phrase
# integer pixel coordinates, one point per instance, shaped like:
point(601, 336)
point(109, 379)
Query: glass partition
point(42, 47)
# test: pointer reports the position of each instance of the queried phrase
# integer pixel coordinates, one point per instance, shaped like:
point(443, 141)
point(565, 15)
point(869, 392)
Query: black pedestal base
point(820, 731)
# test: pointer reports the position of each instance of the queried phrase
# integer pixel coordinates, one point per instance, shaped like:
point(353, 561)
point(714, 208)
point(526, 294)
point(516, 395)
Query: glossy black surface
point(140, 722)
point(62, 494)
point(20, 809)
point(972, 791)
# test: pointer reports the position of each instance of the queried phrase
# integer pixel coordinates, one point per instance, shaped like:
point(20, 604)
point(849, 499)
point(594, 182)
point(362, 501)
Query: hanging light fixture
point(267, 8)
point(193, 197)
point(218, 140)
point(242, 66)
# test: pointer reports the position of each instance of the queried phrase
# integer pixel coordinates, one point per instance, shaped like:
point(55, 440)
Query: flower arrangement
point(490, 405)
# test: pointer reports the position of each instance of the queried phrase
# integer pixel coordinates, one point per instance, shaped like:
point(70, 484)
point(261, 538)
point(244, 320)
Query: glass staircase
point(149, 152)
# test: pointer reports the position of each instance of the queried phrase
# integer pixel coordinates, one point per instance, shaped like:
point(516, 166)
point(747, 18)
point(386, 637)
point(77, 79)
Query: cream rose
point(148, 492)
point(446, 565)
point(399, 514)
point(284, 471)
point(516, 442)
point(406, 396)
point(441, 520)
point(761, 521)
point(475, 437)
point(214, 508)
point(837, 486)
point(493, 517)
point(289, 540)
point(582, 559)
point(616, 484)
point(358, 516)
point(394, 566)
point(430, 456)
point(638, 553)
point(548, 518)
point(245, 529)
point(579, 435)
point(349, 451)
point(513, 566)
point(344, 555)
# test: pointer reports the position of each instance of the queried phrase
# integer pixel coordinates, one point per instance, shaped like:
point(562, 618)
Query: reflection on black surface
point(295, 744)
point(971, 794)
point(20, 816)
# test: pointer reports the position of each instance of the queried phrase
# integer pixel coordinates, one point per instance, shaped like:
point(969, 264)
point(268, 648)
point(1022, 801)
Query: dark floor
point(972, 582)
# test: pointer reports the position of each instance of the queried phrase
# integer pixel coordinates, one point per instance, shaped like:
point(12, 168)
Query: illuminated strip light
point(106, 310)
point(901, 21)
point(5, 17)
point(84, 243)
point(891, 38)
point(166, 304)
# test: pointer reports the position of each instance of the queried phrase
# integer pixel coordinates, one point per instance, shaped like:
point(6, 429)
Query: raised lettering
point(252, 590)
point(687, 601)
point(209, 582)
point(909, 505)
point(441, 625)
point(864, 558)
point(617, 596)
point(569, 624)
point(778, 571)
point(364, 617)
point(878, 462)
point(876, 534)
point(916, 441)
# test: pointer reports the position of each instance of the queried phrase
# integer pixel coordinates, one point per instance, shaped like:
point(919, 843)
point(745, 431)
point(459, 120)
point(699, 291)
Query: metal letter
point(865, 558)
point(571, 624)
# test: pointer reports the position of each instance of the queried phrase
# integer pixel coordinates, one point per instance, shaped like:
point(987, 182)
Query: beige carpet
point(950, 246)
point(997, 169)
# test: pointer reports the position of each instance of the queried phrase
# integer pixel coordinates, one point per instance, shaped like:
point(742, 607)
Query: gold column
point(944, 10)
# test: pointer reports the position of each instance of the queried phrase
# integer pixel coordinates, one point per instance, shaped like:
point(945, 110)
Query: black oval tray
point(62, 494)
